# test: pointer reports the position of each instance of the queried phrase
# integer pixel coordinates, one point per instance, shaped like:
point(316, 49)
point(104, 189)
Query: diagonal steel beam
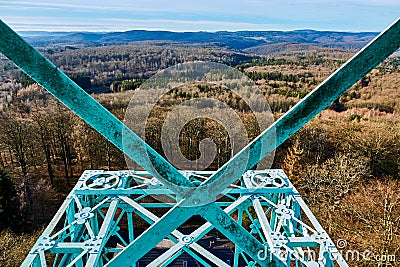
point(75, 98)
point(225, 224)
point(94, 258)
point(170, 221)
point(178, 235)
point(176, 217)
point(317, 100)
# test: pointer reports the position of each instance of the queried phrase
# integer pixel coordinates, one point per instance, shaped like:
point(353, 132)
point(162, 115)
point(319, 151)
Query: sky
point(200, 15)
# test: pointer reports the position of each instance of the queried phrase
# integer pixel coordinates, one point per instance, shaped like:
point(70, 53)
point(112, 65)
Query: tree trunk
point(46, 149)
point(108, 155)
point(2, 160)
point(11, 156)
point(64, 158)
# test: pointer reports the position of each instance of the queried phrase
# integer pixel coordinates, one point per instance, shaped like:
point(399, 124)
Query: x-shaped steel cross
point(195, 199)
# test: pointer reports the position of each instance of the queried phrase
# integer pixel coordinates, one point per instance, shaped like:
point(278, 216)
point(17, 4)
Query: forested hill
point(238, 40)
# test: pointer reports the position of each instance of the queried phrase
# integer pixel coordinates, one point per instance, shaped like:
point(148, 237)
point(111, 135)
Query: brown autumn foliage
point(345, 164)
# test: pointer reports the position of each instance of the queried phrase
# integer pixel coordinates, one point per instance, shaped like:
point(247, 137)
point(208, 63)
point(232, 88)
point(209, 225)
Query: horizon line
point(186, 31)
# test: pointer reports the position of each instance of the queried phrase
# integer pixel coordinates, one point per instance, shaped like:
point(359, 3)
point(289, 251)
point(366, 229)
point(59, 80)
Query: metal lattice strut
point(90, 218)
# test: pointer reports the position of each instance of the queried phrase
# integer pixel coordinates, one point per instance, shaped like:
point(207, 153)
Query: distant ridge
point(238, 40)
point(283, 48)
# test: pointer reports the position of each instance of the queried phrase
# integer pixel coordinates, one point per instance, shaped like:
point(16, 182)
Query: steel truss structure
point(282, 231)
point(86, 229)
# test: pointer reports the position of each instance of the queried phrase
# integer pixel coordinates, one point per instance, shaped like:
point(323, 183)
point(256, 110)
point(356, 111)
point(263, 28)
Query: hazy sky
point(201, 15)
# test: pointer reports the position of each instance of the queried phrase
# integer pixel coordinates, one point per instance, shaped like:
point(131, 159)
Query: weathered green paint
point(153, 235)
point(236, 233)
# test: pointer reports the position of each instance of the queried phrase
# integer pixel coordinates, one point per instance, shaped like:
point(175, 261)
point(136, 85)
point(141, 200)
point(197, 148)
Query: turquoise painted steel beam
point(211, 212)
point(177, 216)
point(127, 192)
point(233, 231)
point(151, 218)
point(207, 227)
point(317, 100)
point(174, 218)
point(82, 104)
point(170, 221)
point(126, 204)
point(93, 259)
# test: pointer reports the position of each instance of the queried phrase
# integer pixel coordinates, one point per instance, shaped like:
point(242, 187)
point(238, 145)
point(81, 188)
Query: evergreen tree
point(9, 211)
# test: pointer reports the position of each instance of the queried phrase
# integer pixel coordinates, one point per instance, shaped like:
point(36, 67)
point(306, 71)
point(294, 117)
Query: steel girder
point(96, 222)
